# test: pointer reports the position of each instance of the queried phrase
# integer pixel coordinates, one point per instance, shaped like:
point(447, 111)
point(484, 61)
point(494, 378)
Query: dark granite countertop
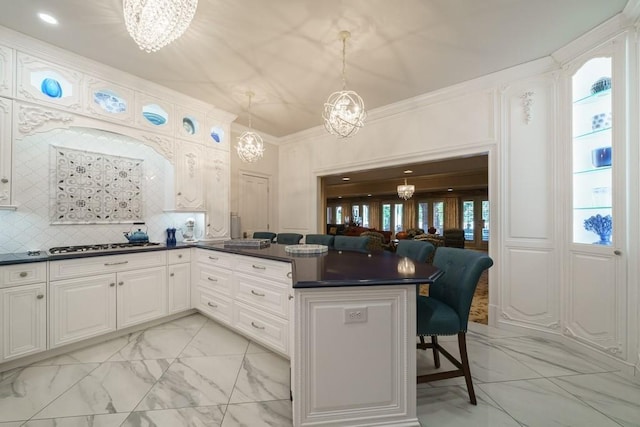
point(343, 268)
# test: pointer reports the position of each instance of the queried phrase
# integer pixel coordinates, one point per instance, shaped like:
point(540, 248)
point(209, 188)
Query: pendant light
point(250, 147)
point(406, 191)
point(344, 111)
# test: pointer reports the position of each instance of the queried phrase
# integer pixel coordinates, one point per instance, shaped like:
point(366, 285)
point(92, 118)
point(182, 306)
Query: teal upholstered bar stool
point(351, 243)
point(319, 239)
point(289, 238)
point(264, 235)
point(417, 250)
point(446, 310)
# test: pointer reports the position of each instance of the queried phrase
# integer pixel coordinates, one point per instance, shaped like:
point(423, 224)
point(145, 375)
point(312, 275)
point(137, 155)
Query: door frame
point(241, 207)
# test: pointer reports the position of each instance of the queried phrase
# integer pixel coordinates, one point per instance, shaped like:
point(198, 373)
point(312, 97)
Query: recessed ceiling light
point(346, 178)
point(408, 171)
point(449, 189)
point(368, 195)
point(339, 197)
point(47, 18)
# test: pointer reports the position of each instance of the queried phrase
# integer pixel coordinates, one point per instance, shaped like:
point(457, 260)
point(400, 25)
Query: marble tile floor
point(194, 372)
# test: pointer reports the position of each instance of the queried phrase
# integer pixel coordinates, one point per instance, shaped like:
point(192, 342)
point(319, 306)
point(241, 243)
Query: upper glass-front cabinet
point(592, 156)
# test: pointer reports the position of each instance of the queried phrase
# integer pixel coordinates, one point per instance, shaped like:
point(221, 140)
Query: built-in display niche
point(51, 84)
point(110, 101)
point(155, 115)
point(592, 152)
point(217, 134)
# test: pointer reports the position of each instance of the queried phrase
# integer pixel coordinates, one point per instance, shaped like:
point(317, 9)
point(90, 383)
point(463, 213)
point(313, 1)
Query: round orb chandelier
point(154, 24)
point(250, 147)
point(344, 111)
point(406, 191)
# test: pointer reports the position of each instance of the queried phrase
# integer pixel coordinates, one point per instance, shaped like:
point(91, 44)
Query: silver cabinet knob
point(179, 255)
point(4, 180)
point(617, 252)
point(23, 274)
point(172, 274)
point(40, 296)
point(120, 283)
point(112, 284)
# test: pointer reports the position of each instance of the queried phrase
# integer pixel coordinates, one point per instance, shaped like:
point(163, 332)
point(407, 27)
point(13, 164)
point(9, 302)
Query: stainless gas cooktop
point(104, 247)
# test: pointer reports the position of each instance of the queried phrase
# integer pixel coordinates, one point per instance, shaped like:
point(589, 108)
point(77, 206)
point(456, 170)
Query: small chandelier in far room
point(250, 146)
point(406, 191)
point(154, 24)
point(344, 111)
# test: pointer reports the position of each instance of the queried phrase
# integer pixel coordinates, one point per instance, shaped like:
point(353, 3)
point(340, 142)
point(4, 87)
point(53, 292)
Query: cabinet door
point(179, 287)
point(596, 304)
point(5, 151)
point(23, 320)
point(189, 176)
point(81, 308)
point(217, 218)
point(142, 296)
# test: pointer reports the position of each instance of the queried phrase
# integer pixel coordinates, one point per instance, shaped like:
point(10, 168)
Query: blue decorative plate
point(602, 84)
point(51, 88)
point(110, 101)
point(188, 125)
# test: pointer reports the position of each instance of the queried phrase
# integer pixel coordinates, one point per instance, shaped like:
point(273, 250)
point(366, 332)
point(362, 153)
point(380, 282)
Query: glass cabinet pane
point(592, 122)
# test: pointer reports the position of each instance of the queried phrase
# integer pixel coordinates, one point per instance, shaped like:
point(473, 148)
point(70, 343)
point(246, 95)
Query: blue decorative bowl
point(601, 157)
point(602, 84)
point(51, 88)
point(188, 125)
point(153, 118)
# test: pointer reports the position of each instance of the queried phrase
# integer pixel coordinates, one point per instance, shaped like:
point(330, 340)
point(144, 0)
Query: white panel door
point(24, 327)
point(179, 287)
point(142, 296)
point(81, 308)
point(189, 176)
point(254, 203)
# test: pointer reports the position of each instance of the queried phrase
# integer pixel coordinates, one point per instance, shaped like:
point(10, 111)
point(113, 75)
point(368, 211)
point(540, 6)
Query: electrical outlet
point(355, 315)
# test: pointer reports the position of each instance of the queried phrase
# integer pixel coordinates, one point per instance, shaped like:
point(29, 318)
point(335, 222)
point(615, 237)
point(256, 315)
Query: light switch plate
point(355, 315)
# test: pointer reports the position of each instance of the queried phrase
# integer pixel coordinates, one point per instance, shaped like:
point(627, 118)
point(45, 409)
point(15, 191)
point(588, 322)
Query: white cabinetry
point(190, 191)
point(218, 217)
point(92, 296)
point(249, 294)
point(23, 303)
point(5, 151)
point(596, 310)
point(179, 281)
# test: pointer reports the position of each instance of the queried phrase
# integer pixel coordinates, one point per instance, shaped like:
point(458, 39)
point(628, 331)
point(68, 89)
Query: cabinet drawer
point(263, 294)
point(178, 256)
point(215, 279)
point(23, 274)
point(214, 305)
point(217, 258)
point(265, 329)
point(81, 267)
point(274, 270)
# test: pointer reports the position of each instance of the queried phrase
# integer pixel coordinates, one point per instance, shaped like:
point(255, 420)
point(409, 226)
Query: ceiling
point(289, 54)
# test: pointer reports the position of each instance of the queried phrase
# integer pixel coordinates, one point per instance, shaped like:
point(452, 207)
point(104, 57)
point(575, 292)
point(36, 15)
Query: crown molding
point(632, 10)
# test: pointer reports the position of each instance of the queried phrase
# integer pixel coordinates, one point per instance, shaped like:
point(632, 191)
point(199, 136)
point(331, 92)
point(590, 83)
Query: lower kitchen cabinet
point(24, 316)
point(83, 305)
point(179, 281)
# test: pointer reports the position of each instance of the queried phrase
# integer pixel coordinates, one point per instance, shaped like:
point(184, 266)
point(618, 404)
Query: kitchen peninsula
point(345, 320)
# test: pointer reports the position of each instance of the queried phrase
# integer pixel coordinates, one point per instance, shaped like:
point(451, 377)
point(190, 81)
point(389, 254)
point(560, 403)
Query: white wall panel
point(529, 123)
point(297, 195)
point(6, 71)
point(530, 291)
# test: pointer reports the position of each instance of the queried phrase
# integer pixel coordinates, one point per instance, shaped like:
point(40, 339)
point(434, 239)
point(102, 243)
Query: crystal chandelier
point(154, 24)
point(250, 146)
point(344, 112)
point(406, 191)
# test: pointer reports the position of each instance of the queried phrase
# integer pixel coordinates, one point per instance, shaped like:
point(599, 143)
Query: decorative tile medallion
point(92, 187)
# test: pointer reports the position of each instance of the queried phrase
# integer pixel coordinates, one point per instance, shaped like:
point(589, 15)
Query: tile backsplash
point(29, 227)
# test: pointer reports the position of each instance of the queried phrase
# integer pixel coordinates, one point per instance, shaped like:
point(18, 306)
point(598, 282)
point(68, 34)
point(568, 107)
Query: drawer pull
point(211, 279)
point(259, 267)
point(112, 284)
point(210, 304)
point(213, 258)
point(256, 293)
point(40, 296)
point(120, 283)
point(290, 297)
point(179, 255)
point(23, 274)
point(116, 263)
point(172, 274)
point(256, 326)
point(290, 275)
